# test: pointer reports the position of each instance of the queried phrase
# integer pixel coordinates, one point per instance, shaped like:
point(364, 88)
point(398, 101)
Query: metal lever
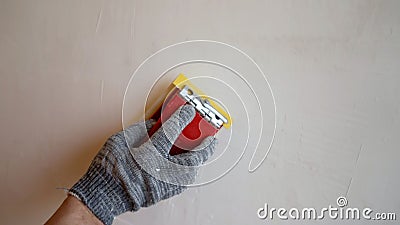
point(203, 107)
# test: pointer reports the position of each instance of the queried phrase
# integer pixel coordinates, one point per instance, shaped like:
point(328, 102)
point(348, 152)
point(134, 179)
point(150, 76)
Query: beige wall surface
point(333, 65)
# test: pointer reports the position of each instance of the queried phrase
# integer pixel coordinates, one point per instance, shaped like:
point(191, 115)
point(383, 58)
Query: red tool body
point(194, 133)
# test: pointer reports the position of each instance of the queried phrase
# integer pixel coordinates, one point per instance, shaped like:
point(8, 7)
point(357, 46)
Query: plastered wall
point(333, 66)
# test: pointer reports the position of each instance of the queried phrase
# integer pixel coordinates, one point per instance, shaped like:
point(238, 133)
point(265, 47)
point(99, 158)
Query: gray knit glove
point(127, 174)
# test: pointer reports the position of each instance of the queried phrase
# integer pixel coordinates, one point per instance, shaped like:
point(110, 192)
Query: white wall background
point(334, 67)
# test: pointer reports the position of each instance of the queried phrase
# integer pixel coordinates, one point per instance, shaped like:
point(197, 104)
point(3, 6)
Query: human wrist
point(102, 194)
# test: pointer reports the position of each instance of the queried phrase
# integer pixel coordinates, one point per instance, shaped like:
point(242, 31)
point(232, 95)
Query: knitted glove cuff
point(102, 194)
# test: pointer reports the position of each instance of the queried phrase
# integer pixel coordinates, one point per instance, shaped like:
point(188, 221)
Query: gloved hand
point(127, 174)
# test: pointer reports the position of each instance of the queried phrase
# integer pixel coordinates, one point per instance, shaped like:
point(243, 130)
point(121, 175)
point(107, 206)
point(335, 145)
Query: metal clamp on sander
point(209, 118)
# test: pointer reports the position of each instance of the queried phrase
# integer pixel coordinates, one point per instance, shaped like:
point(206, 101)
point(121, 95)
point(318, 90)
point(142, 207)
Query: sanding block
point(209, 119)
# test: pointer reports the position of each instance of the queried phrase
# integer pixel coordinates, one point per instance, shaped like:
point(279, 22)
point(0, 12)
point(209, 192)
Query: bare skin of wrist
point(72, 211)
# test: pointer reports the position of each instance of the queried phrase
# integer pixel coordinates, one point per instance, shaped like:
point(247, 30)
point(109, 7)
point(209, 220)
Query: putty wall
point(333, 65)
